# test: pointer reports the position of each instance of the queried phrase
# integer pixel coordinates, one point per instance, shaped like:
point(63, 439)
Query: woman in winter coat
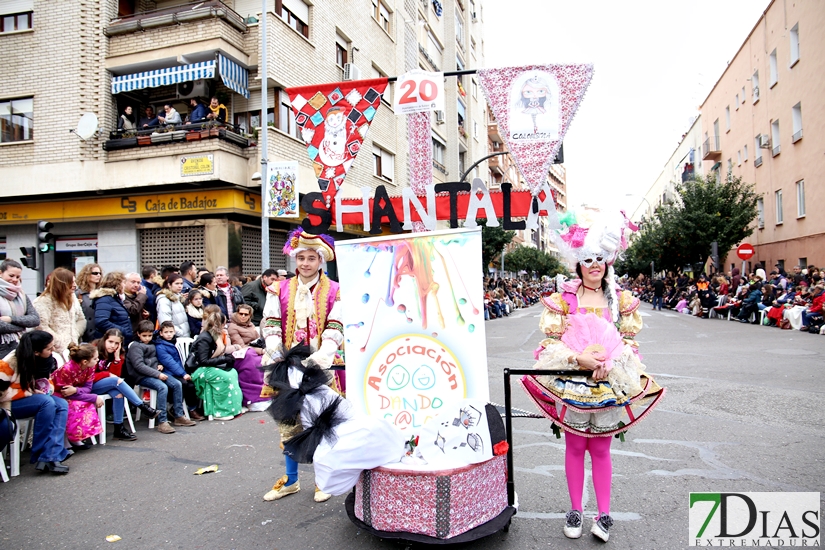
point(170, 305)
point(60, 311)
point(88, 279)
point(16, 310)
point(215, 380)
point(127, 120)
point(109, 309)
point(243, 333)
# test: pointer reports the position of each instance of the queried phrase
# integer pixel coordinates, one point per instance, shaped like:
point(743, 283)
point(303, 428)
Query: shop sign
point(71, 245)
point(201, 165)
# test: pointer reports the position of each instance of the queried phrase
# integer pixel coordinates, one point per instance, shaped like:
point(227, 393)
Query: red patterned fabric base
point(440, 504)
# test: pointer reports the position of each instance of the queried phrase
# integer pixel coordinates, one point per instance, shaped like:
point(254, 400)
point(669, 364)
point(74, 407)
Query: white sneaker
point(573, 525)
point(244, 410)
point(223, 417)
point(601, 527)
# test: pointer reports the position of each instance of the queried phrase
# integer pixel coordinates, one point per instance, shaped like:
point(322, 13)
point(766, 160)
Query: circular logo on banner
point(410, 378)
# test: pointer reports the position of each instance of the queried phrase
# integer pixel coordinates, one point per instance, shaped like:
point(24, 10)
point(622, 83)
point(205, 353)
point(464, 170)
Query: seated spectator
point(750, 305)
point(815, 310)
point(142, 365)
point(215, 380)
point(682, 304)
point(768, 297)
point(87, 280)
point(244, 335)
point(217, 111)
point(73, 382)
point(170, 305)
point(59, 309)
point(20, 369)
point(170, 362)
point(170, 116)
point(17, 313)
point(109, 309)
point(198, 111)
point(194, 312)
point(127, 120)
point(149, 120)
point(108, 381)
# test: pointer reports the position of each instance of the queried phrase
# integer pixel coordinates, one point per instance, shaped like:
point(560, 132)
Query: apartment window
point(797, 122)
point(434, 49)
point(295, 13)
point(727, 118)
point(800, 198)
point(775, 137)
point(745, 154)
point(381, 14)
point(739, 158)
point(285, 120)
point(386, 97)
point(730, 167)
point(341, 49)
point(794, 44)
point(774, 70)
point(439, 151)
point(742, 95)
point(12, 22)
point(383, 163)
point(474, 85)
point(737, 102)
point(755, 86)
point(760, 212)
point(757, 151)
point(473, 47)
point(778, 197)
point(16, 120)
point(475, 129)
point(459, 30)
point(803, 263)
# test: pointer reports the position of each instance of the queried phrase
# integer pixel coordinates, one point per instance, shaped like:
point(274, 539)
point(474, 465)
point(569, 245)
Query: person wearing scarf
point(217, 111)
point(170, 306)
point(229, 296)
point(194, 311)
point(304, 310)
point(17, 313)
point(244, 334)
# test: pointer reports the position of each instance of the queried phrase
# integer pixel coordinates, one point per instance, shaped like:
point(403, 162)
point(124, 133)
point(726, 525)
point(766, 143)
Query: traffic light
point(29, 258)
point(44, 236)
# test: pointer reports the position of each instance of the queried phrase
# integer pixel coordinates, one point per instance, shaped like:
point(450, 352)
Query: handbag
point(8, 428)
point(785, 324)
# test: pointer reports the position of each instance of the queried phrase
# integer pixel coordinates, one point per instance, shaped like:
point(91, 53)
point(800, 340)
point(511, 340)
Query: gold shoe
point(281, 489)
point(321, 496)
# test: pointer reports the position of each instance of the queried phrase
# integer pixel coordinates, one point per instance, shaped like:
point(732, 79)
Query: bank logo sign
point(754, 519)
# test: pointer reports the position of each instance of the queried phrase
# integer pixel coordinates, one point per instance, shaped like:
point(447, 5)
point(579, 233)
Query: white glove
point(322, 358)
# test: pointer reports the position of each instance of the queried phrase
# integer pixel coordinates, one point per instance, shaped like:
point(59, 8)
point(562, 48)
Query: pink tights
point(599, 447)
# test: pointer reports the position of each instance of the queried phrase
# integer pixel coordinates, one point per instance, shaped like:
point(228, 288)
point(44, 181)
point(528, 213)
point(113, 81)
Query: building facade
point(752, 127)
point(126, 200)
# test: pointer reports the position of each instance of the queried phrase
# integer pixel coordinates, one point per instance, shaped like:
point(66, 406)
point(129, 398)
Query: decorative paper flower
point(575, 236)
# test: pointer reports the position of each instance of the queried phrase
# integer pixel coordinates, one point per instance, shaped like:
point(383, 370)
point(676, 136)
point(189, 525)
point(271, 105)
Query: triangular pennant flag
point(334, 119)
point(534, 106)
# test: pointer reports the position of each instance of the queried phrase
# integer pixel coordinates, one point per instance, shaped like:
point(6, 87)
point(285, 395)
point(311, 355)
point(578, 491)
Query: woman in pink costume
point(590, 325)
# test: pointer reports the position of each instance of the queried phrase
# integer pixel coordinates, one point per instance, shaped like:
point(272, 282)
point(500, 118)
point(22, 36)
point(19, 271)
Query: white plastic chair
point(3, 474)
point(153, 402)
point(101, 413)
point(16, 446)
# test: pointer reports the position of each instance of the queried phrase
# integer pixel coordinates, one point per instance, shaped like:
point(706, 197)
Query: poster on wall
point(413, 323)
point(282, 189)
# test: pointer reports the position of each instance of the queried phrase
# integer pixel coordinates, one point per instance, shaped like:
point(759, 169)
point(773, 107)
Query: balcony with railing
point(711, 149)
point(161, 38)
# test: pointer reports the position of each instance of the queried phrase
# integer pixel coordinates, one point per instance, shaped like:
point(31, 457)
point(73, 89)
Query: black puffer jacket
point(202, 349)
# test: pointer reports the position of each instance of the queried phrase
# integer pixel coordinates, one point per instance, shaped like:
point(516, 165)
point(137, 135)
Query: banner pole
point(263, 70)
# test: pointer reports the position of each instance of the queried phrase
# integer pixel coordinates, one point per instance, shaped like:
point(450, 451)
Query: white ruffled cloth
point(794, 315)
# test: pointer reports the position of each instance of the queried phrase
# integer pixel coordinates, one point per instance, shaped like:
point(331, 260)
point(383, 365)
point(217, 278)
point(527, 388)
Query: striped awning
point(164, 77)
point(235, 77)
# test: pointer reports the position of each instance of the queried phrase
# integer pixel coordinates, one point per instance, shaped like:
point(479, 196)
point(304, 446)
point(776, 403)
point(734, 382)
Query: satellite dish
point(87, 126)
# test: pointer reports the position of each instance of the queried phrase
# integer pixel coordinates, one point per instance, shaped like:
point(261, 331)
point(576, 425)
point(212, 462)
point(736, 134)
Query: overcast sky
point(655, 62)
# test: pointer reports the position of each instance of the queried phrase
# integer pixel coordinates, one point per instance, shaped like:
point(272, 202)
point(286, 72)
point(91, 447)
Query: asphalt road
point(743, 413)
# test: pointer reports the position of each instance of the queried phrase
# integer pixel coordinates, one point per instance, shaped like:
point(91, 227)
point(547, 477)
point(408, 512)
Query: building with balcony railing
point(771, 89)
point(163, 194)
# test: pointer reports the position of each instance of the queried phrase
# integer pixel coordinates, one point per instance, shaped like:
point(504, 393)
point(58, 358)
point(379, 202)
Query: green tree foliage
point(493, 241)
point(681, 233)
point(533, 261)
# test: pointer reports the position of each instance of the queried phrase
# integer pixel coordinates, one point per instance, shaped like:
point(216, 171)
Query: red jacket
point(819, 301)
point(105, 368)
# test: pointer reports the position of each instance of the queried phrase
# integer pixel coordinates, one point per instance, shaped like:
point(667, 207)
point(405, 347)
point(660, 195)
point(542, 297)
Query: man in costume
point(302, 310)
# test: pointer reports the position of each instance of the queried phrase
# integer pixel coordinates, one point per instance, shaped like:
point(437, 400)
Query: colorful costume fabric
point(83, 421)
point(580, 404)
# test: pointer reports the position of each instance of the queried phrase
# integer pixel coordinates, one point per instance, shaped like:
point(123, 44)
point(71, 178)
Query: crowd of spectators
point(503, 295)
point(101, 334)
point(779, 299)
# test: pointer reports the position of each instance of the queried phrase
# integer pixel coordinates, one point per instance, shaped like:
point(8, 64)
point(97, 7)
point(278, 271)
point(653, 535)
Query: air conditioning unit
point(351, 72)
point(193, 88)
point(439, 117)
point(755, 94)
point(764, 142)
point(760, 224)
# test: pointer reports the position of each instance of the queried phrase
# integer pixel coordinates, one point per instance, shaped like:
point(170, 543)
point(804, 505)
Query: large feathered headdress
point(592, 233)
point(299, 240)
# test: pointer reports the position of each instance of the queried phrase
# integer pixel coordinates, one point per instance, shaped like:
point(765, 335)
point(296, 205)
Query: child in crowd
point(142, 365)
point(108, 380)
point(169, 360)
point(73, 382)
point(194, 312)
